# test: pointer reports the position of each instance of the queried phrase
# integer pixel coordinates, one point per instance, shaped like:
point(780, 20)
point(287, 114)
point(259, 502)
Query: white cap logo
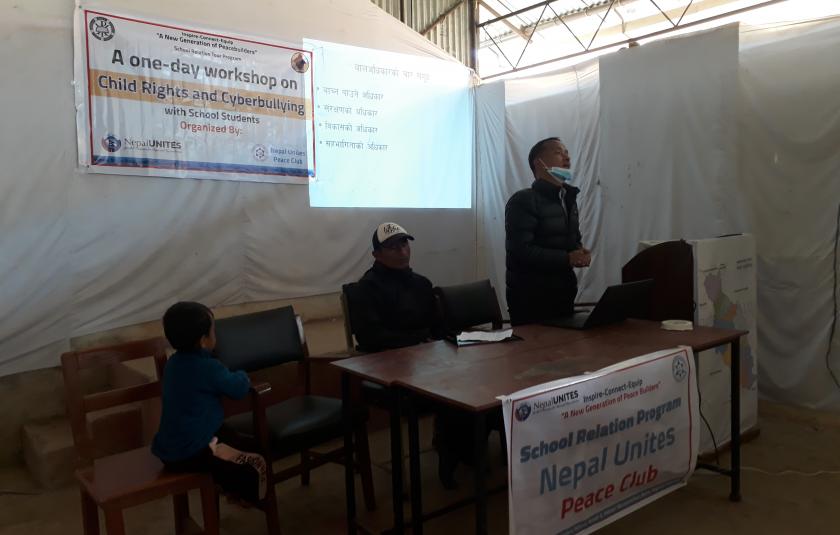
point(387, 230)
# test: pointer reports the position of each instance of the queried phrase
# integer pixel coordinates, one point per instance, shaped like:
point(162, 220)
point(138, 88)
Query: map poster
point(725, 297)
point(725, 294)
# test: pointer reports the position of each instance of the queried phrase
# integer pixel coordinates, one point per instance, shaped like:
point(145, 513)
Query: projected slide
point(391, 130)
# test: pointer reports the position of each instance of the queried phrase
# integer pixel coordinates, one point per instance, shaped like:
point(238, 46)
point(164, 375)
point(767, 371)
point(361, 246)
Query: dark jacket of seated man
point(396, 306)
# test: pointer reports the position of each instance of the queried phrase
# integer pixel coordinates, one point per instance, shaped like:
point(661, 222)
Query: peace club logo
point(523, 411)
point(679, 368)
point(260, 153)
point(102, 28)
point(111, 143)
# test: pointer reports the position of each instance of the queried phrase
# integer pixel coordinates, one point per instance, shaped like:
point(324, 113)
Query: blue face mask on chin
point(560, 173)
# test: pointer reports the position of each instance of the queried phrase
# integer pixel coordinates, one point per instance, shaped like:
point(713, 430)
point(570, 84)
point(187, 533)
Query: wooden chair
point(298, 422)
point(118, 481)
point(467, 305)
point(115, 482)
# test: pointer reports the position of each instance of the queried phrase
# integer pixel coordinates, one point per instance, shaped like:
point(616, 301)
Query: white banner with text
point(162, 99)
point(587, 450)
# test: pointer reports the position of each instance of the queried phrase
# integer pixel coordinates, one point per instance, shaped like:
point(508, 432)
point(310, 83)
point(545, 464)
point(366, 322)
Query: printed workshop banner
point(588, 450)
point(159, 99)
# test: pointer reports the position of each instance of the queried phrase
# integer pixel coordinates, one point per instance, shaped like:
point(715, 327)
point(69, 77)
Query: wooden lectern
point(671, 266)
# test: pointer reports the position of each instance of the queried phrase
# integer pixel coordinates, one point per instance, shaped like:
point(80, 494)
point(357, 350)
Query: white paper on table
point(477, 337)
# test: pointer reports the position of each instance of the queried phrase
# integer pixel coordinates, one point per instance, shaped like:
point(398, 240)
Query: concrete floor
point(791, 439)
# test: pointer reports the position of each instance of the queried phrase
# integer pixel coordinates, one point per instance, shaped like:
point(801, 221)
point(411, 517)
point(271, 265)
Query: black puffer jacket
point(395, 308)
point(539, 237)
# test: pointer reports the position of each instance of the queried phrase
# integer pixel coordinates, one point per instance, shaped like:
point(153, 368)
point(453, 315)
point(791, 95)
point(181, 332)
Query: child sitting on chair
point(191, 436)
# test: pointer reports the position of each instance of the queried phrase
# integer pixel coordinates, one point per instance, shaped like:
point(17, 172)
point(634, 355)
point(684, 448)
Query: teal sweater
point(193, 384)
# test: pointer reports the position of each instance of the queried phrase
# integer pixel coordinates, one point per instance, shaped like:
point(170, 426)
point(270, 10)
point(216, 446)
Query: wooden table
point(469, 378)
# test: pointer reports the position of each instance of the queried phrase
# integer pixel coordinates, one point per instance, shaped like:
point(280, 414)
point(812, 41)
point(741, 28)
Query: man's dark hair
point(537, 149)
point(184, 324)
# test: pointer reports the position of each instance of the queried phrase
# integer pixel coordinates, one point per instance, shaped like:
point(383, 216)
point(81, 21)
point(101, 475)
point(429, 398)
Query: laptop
point(617, 304)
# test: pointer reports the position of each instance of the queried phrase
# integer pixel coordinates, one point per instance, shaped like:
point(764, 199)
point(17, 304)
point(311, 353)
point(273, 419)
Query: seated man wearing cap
point(397, 307)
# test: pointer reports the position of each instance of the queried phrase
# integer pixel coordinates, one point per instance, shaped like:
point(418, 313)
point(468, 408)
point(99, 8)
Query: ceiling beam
point(506, 21)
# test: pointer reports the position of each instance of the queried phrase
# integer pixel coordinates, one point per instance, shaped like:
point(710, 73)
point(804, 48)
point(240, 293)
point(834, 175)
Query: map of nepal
point(729, 315)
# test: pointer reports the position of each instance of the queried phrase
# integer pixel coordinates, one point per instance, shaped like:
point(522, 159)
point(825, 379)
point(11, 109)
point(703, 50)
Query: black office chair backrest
point(467, 305)
point(254, 341)
point(350, 297)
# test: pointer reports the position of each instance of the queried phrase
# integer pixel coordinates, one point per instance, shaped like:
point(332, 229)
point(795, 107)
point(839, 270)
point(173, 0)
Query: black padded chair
point(349, 296)
point(252, 342)
point(373, 394)
point(467, 305)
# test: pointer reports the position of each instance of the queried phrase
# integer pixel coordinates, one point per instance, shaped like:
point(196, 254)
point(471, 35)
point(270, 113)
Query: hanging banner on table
point(587, 450)
point(160, 99)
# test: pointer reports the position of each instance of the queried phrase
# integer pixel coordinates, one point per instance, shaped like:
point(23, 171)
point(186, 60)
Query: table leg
point(480, 461)
point(735, 391)
point(210, 508)
point(349, 476)
point(114, 522)
point(396, 460)
point(414, 463)
point(181, 509)
point(90, 513)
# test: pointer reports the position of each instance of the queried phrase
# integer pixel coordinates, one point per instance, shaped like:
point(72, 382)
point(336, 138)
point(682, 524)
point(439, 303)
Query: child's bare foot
point(233, 455)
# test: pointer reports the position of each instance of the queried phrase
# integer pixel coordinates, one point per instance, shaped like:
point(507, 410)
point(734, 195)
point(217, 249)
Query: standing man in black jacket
point(543, 242)
point(397, 308)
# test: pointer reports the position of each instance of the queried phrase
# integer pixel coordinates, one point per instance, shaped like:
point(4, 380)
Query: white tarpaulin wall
point(668, 163)
point(83, 253)
point(770, 167)
point(790, 173)
point(633, 186)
